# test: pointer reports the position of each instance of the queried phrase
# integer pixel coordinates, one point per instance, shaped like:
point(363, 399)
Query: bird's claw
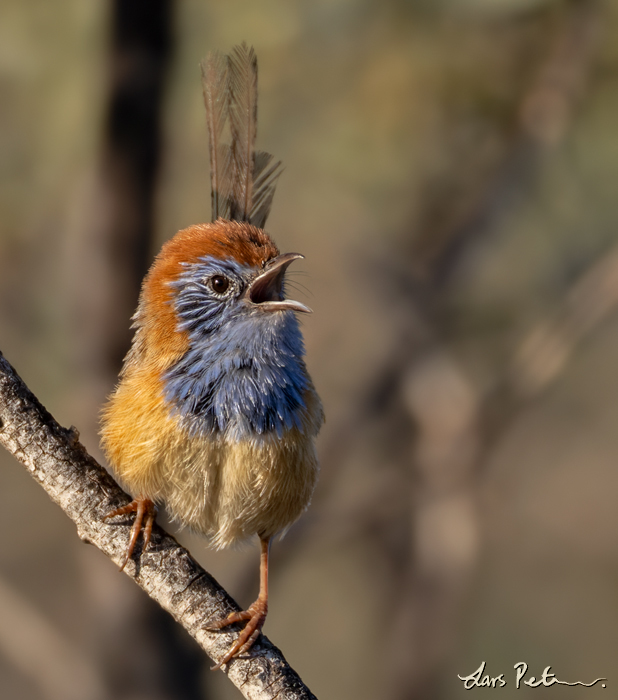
point(255, 615)
point(146, 512)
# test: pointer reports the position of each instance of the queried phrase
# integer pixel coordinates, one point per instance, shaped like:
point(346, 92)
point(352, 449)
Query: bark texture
point(56, 459)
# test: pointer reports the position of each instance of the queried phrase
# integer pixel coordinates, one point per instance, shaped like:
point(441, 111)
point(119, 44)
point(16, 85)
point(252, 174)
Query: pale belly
point(231, 491)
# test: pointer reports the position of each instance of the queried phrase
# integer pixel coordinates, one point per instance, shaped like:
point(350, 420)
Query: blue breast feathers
point(244, 373)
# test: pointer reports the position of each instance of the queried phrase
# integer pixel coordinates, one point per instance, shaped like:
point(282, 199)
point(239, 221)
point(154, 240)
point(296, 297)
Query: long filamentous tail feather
point(265, 176)
point(243, 180)
point(215, 84)
point(243, 126)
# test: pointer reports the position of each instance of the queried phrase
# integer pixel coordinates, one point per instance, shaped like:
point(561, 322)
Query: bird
point(215, 414)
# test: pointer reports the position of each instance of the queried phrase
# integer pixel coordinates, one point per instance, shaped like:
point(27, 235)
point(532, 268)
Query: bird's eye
point(219, 284)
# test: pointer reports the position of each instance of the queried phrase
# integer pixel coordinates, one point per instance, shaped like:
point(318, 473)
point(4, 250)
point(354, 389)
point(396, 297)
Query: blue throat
point(244, 373)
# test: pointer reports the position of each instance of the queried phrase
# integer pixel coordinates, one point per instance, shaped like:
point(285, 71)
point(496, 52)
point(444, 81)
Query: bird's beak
point(266, 289)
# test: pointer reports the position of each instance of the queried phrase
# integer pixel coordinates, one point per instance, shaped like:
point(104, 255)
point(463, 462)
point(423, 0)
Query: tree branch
point(54, 457)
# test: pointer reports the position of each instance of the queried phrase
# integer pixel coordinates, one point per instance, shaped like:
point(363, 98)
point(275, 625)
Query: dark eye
point(219, 284)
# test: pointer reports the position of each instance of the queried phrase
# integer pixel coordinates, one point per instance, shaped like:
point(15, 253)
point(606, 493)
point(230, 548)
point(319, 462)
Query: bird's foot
point(146, 512)
point(255, 615)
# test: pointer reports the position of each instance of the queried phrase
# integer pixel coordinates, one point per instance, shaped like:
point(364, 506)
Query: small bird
point(215, 414)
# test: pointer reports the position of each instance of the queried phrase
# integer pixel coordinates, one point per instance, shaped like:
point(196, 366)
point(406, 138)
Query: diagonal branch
point(166, 571)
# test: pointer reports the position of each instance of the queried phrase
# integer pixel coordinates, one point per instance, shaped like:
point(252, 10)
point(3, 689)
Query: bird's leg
point(255, 615)
point(146, 512)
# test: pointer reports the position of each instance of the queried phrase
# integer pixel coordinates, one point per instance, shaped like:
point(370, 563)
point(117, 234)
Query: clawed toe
point(229, 620)
point(146, 512)
point(255, 616)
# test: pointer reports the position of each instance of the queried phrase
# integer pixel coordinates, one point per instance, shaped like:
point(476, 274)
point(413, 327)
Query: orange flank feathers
point(225, 490)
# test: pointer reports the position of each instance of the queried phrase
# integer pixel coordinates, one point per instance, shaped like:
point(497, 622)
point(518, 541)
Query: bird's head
point(213, 277)
point(214, 326)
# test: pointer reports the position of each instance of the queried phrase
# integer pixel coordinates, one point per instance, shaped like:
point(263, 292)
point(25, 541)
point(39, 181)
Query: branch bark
point(167, 572)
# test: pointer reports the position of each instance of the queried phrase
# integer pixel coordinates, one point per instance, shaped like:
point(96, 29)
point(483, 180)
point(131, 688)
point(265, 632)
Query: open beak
point(266, 290)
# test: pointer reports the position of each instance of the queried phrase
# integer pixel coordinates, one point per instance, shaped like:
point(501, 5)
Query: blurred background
point(451, 177)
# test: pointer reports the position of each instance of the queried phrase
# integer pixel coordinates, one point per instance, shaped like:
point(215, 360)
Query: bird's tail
point(242, 179)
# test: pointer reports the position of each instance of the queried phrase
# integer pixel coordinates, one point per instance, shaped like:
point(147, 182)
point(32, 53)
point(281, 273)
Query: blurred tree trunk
point(142, 653)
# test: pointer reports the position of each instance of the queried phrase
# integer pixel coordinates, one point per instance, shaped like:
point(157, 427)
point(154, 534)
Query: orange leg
point(146, 512)
point(255, 615)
